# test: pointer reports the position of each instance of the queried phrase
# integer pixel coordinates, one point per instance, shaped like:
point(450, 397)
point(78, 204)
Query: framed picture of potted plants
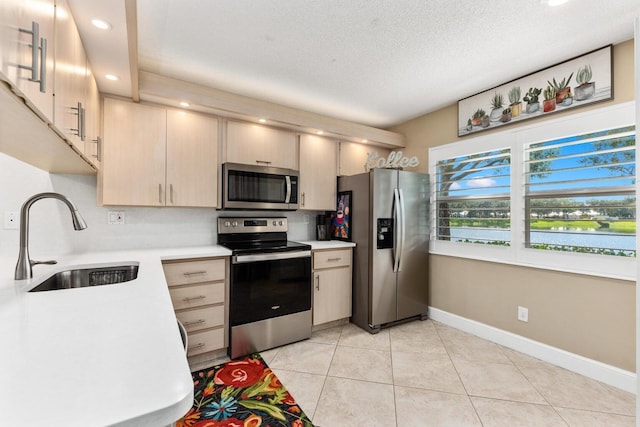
point(574, 83)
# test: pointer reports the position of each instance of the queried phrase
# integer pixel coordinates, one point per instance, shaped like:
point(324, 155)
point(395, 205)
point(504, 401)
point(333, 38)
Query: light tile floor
point(425, 373)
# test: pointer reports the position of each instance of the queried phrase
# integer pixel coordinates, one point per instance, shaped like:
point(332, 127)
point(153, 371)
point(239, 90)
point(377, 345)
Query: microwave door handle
point(287, 179)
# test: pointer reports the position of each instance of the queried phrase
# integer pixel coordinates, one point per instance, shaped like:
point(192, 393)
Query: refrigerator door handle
point(402, 230)
point(396, 219)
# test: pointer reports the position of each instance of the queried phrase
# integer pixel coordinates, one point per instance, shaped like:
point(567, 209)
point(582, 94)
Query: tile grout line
point(393, 380)
point(475, 410)
point(324, 383)
point(534, 387)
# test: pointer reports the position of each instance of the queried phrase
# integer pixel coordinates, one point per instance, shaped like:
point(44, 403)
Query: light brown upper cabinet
point(93, 139)
point(26, 52)
point(318, 173)
point(192, 159)
point(252, 144)
point(44, 63)
point(152, 156)
point(70, 78)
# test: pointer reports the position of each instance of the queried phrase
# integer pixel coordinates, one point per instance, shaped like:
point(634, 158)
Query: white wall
point(51, 231)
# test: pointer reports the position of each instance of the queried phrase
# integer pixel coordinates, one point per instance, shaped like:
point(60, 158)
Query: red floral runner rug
point(242, 393)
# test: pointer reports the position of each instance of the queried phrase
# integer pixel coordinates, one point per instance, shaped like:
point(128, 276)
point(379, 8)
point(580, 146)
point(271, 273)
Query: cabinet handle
point(42, 57)
point(193, 298)
point(79, 131)
point(197, 346)
point(317, 282)
point(194, 322)
point(97, 141)
point(171, 193)
point(160, 193)
point(83, 127)
point(263, 162)
point(191, 273)
point(333, 259)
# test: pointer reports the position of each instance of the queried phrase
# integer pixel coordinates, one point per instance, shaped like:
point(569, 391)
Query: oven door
point(269, 285)
point(259, 187)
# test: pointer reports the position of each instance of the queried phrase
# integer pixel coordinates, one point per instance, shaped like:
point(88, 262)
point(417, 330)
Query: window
point(580, 193)
point(472, 198)
point(559, 194)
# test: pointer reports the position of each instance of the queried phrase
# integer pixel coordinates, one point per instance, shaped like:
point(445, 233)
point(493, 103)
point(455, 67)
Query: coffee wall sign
point(571, 84)
point(394, 160)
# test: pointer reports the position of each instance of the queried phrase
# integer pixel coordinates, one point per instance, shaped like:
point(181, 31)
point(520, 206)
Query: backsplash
point(51, 231)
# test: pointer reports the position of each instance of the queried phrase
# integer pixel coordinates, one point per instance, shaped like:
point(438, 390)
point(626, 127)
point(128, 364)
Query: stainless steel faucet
point(23, 267)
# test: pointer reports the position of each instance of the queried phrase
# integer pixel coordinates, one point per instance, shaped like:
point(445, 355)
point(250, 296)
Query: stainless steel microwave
point(259, 187)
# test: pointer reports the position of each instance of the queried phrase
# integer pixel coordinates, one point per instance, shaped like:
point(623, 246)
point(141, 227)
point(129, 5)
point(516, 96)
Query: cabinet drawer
point(332, 258)
point(201, 318)
point(183, 273)
point(201, 342)
point(197, 295)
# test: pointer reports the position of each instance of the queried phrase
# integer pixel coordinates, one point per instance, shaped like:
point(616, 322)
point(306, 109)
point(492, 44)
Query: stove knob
point(280, 223)
point(227, 223)
point(275, 223)
point(234, 224)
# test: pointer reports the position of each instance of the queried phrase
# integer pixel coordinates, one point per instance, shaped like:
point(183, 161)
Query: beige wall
point(590, 316)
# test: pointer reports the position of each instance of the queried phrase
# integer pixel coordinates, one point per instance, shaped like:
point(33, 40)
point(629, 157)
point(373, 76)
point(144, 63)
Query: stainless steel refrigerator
point(389, 221)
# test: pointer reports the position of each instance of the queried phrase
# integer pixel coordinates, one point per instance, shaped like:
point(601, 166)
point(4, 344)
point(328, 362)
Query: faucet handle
point(50, 262)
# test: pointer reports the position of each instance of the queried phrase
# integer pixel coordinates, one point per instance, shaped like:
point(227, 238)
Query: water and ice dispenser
point(384, 232)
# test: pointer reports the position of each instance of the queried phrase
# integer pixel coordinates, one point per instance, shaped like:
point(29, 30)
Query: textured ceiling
point(375, 62)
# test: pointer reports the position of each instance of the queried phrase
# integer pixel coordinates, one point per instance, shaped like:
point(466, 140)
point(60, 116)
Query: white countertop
point(328, 244)
point(98, 356)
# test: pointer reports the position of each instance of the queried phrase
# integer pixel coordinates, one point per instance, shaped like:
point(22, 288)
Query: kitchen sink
point(85, 277)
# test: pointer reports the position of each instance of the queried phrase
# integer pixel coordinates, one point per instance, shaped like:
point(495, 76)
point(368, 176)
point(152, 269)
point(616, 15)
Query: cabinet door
point(332, 295)
point(16, 52)
point(318, 173)
point(192, 159)
point(260, 145)
point(70, 77)
point(133, 162)
point(92, 121)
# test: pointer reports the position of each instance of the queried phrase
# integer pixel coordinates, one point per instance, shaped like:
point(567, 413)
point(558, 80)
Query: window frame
point(610, 117)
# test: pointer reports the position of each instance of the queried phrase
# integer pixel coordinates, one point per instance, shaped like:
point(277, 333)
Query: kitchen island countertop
point(94, 356)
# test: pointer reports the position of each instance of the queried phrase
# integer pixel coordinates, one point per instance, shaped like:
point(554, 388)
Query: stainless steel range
point(270, 284)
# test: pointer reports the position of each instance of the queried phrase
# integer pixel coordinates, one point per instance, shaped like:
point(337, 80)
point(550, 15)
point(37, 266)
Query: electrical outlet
point(115, 217)
point(11, 221)
point(305, 219)
point(523, 314)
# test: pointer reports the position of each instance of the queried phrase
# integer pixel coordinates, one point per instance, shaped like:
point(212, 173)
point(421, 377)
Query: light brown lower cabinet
point(331, 285)
point(199, 289)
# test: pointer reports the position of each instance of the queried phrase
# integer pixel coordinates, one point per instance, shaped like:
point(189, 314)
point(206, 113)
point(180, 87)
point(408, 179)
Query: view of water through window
point(579, 195)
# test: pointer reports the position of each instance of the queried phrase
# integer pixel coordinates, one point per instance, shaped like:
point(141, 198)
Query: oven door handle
point(241, 259)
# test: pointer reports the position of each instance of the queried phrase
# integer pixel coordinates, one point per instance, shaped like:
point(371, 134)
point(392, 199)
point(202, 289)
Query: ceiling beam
point(131, 11)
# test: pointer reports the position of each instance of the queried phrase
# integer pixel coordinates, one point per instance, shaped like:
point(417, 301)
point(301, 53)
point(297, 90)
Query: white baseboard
point(590, 368)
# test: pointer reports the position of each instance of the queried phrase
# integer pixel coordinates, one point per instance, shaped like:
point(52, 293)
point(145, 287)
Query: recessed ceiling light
point(99, 23)
point(184, 104)
point(112, 77)
point(553, 2)
point(262, 120)
point(365, 140)
point(319, 132)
